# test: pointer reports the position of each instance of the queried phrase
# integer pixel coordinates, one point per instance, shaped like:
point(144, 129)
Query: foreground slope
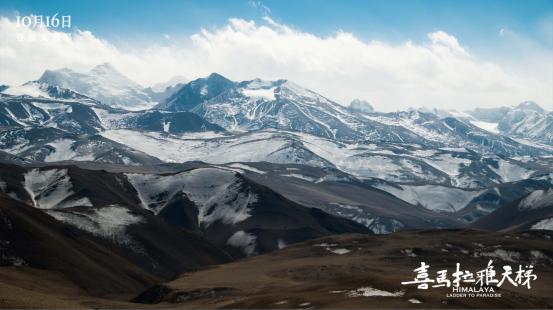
point(235, 213)
point(533, 211)
point(354, 271)
point(114, 257)
point(346, 271)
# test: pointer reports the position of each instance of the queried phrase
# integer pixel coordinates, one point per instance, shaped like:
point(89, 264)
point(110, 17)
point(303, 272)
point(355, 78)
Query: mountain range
point(139, 185)
point(411, 155)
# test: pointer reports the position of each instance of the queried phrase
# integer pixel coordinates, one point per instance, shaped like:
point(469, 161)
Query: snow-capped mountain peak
point(529, 106)
point(46, 91)
point(103, 83)
point(195, 92)
point(281, 104)
point(527, 121)
point(291, 90)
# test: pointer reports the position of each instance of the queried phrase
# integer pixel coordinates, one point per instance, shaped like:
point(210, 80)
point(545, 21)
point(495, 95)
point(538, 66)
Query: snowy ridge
point(432, 197)
point(442, 161)
point(416, 122)
point(509, 171)
point(218, 193)
point(29, 89)
point(377, 224)
point(62, 150)
point(258, 104)
point(261, 146)
point(52, 188)
point(537, 199)
point(403, 163)
point(524, 121)
point(546, 224)
point(108, 222)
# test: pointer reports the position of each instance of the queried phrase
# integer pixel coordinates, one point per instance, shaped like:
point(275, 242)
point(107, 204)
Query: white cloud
point(438, 73)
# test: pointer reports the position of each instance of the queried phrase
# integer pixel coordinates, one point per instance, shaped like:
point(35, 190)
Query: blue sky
point(474, 22)
point(395, 54)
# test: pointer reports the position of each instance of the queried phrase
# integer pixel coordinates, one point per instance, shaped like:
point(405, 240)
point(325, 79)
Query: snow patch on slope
point(432, 197)
point(371, 292)
point(508, 256)
point(62, 150)
point(260, 93)
point(52, 188)
point(546, 224)
point(537, 199)
point(107, 222)
point(448, 163)
point(254, 147)
point(31, 89)
point(299, 176)
point(218, 193)
point(340, 251)
point(246, 167)
point(510, 172)
point(491, 127)
point(243, 240)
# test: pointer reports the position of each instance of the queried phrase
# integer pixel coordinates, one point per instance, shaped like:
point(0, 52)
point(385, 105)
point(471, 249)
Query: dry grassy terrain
point(313, 275)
